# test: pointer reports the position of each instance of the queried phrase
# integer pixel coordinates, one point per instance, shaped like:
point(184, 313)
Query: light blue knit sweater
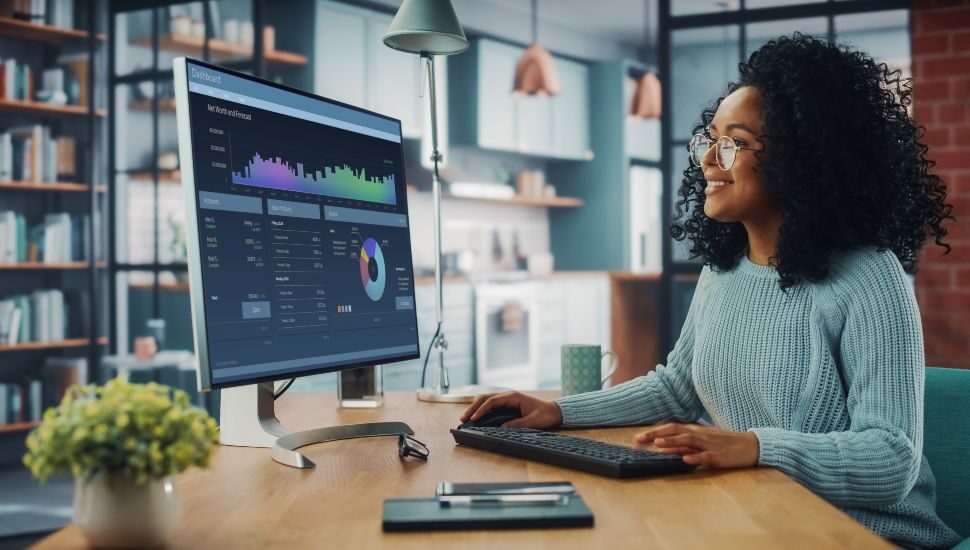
point(764, 361)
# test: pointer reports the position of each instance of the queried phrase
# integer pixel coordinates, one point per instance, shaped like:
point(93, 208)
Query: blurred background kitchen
point(555, 205)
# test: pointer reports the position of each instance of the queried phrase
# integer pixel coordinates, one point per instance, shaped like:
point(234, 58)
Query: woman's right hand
point(536, 413)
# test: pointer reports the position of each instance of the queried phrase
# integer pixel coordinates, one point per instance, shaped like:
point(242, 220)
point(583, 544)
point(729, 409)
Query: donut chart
point(372, 269)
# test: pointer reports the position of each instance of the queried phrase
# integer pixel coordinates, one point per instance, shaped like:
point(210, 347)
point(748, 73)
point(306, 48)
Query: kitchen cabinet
point(572, 310)
point(340, 53)
point(459, 331)
point(496, 112)
point(570, 110)
point(352, 64)
point(642, 135)
point(486, 114)
point(406, 375)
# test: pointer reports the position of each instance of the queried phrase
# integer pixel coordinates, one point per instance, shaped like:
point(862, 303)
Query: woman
point(808, 197)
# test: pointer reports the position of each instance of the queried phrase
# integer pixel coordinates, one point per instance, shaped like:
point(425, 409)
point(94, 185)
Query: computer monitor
point(299, 249)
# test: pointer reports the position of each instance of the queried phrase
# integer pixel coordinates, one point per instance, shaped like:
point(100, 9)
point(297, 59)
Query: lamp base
point(461, 394)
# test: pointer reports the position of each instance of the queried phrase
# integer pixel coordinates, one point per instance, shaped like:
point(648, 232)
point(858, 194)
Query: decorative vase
point(115, 512)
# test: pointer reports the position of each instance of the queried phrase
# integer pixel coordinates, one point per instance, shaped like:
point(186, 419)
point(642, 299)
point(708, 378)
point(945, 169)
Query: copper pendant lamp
point(646, 102)
point(647, 97)
point(536, 73)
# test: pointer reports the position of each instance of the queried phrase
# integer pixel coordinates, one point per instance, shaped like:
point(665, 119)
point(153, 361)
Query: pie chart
point(372, 269)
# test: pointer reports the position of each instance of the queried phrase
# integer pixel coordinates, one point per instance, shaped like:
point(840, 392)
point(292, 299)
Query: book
point(13, 334)
point(6, 153)
point(35, 400)
point(59, 374)
point(7, 308)
point(66, 158)
point(76, 78)
point(4, 398)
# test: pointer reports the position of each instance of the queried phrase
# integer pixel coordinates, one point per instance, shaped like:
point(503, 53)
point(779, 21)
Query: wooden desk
point(248, 501)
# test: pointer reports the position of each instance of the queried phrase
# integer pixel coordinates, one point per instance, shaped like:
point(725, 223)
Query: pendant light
point(646, 101)
point(536, 73)
point(647, 97)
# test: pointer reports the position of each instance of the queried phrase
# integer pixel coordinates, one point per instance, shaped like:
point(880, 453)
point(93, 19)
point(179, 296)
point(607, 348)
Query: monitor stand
point(248, 419)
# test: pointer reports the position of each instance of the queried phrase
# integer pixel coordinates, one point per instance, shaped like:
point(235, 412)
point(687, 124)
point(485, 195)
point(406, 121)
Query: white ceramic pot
point(114, 512)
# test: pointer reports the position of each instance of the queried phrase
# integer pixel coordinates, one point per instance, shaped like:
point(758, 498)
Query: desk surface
point(247, 500)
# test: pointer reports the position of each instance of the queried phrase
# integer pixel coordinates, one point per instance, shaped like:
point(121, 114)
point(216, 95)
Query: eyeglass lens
point(408, 446)
point(725, 152)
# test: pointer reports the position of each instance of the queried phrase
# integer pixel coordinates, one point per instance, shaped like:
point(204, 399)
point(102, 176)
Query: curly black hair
point(840, 153)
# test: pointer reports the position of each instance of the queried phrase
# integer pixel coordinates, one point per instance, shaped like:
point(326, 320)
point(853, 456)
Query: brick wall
point(941, 92)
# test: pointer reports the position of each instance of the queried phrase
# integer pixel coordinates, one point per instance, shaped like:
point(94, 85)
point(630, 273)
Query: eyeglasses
point(726, 151)
point(408, 446)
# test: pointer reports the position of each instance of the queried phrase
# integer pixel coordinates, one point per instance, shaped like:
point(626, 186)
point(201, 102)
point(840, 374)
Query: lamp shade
point(426, 27)
point(535, 73)
point(646, 101)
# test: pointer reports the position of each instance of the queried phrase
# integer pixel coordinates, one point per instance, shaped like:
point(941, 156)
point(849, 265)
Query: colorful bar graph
point(338, 180)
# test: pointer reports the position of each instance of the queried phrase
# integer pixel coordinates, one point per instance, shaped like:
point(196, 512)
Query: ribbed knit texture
point(764, 361)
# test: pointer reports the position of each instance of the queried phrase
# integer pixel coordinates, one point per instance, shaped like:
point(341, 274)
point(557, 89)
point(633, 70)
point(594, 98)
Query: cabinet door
point(534, 124)
point(496, 106)
point(552, 333)
point(570, 111)
point(340, 58)
point(642, 135)
point(392, 79)
point(586, 313)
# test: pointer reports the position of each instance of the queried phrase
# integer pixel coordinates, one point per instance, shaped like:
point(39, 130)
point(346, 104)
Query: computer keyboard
point(571, 452)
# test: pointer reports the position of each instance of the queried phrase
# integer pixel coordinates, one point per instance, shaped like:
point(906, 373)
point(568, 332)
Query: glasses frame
point(717, 151)
point(408, 446)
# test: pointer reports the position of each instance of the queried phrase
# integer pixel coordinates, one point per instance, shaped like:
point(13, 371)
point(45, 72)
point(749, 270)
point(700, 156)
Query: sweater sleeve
point(876, 462)
point(666, 393)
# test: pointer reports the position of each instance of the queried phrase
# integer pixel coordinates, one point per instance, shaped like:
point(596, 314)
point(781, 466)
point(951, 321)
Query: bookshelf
point(57, 344)
point(146, 277)
point(24, 266)
point(46, 109)
point(219, 50)
point(16, 28)
point(166, 105)
point(164, 176)
point(52, 190)
point(50, 186)
point(19, 427)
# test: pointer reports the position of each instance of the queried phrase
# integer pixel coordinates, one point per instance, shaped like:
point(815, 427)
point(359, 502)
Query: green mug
point(582, 368)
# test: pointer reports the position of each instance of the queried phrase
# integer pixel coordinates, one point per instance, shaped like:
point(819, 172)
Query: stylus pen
point(503, 500)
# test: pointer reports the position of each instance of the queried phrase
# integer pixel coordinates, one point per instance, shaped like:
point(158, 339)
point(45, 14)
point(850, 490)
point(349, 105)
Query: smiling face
point(737, 194)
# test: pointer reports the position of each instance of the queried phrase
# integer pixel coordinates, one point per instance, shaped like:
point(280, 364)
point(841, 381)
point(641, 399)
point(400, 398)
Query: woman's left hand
point(703, 445)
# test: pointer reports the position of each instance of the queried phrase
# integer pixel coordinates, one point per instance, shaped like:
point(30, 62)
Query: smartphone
point(519, 488)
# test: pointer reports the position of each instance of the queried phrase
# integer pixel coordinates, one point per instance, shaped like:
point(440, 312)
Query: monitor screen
point(300, 251)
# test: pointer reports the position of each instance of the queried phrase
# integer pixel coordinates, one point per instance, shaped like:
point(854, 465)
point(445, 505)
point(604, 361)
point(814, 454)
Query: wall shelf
point(31, 266)
point(45, 33)
point(60, 186)
point(219, 50)
point(164, 176)
point(166, 105)
point(58, 344)
point(554, 202)
point(18, 427)
point(46, 109)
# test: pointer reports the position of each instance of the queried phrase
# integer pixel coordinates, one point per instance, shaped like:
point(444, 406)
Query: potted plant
point(122, 443)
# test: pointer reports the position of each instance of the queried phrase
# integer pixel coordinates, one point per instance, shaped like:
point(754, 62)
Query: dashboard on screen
point(300, 215)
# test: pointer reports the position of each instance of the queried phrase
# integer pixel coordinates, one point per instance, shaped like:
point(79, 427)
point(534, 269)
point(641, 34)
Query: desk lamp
point(429, 28)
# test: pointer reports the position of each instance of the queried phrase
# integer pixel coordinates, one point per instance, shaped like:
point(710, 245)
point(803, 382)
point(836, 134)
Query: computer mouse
point(494, 418)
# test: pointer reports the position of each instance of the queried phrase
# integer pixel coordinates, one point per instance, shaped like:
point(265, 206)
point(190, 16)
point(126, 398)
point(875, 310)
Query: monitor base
point(461, 394)
point(284, 451)
point(248, 419)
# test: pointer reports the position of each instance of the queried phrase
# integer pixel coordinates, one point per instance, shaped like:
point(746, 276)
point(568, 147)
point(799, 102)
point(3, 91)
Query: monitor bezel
point(190, 195)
